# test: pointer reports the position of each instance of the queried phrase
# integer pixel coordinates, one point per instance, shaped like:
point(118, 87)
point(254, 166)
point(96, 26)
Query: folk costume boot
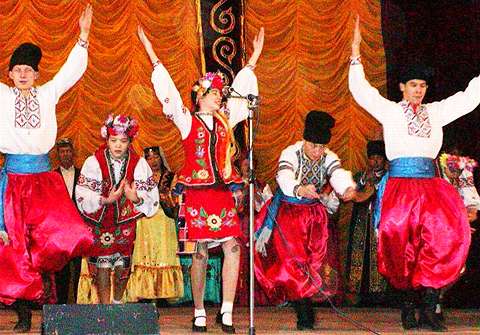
point(24, 313)
point(409, 320)
point(428, 317)
point(305, 314)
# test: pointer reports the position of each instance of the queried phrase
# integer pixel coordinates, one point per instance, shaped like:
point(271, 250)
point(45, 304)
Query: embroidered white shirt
point(245, 83)
point(29, 126)
point(289, 172)
point(89, 187)
point(401, 135)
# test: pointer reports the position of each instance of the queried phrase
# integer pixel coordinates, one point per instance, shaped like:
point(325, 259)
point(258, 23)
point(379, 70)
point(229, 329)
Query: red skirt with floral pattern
point(210, 213)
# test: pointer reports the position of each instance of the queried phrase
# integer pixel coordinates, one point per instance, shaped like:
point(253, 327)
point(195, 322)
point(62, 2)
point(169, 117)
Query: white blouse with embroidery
point(409, 133)
point(244, 83)
point(290, 173)
point(29, 125)
point(89, 186)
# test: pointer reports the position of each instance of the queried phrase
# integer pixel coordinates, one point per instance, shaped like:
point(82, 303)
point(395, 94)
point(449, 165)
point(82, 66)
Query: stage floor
point(271, 320)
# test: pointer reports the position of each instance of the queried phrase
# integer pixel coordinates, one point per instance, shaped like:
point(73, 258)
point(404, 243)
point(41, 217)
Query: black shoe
point(408, 316)
point(305, 314)
point(428, 317)
point(304, 325)
point(198, 329)
point(225, 328)
point(24, 323)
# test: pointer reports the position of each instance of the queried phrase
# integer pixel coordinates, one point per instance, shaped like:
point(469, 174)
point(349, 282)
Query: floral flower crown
point(120, 124)
point(210, 81)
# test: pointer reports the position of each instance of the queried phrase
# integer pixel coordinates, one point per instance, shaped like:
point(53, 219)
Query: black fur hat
point(318, 127)
point(26, 54)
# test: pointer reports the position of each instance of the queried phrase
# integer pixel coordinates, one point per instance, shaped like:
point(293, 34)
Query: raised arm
point(77, 61)
point(364, 94)
point(458, 104)
point(245, 83)
point(166, 91)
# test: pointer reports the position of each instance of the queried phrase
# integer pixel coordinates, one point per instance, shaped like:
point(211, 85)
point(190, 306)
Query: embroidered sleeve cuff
point(83, 43)
point(157, 63)
point(355, 60)
point(295, 191)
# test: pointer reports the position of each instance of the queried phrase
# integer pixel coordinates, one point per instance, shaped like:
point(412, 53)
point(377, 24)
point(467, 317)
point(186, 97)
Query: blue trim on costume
point(272, 208)
point(26, 164)
point(405, 167)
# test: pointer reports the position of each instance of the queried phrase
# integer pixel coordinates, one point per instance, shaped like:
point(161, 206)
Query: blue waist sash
point(272, 208)
point(405, 167)
point(26, 164)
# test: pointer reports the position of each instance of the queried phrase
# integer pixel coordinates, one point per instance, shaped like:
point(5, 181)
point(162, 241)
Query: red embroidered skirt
point(45, 231)
point(296, 253)
point(210, 213)
point(424, 234)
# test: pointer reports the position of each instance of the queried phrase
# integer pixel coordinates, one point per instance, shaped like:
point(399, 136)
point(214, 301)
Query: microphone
point(227, 91)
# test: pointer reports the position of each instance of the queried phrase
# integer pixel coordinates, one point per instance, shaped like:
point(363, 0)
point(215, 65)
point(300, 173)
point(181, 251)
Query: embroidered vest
point(205, 154)
point(123, 210)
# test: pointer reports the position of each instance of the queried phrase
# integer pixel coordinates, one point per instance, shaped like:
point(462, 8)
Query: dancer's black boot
point(409, 320)
point(305, 314)
point(24, 312)
point(428, 317)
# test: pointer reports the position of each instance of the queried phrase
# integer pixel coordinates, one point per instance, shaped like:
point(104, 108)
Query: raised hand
point(114, 195)
point(147, 45)
point(357, 38)
point(143, 38)
point(85, 22)
point(257, 47)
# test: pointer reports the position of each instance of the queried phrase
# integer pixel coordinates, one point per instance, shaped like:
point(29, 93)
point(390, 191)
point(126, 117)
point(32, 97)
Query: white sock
point(200, 317)
point(226, 311)
point(116, 302)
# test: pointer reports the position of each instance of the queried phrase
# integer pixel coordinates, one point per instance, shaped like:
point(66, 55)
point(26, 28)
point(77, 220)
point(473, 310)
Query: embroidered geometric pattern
point(27, 110)
point(418, 122)
point(313, 172)
point(147, 185)
point(91, 184)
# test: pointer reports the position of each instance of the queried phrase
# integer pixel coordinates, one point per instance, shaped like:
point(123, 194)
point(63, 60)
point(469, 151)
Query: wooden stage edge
point(281, 320)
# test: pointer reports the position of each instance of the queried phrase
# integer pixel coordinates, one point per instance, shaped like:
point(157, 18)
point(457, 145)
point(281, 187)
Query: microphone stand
point(252, 101)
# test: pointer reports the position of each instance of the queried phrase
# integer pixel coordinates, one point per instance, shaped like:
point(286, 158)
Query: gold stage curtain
point(118, 75)
point(304, 66)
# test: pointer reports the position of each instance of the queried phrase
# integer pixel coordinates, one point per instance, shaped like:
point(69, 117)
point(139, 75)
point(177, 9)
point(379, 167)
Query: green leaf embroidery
point(199, 141)
point(194, 174)
point(201, 162)
point(223, 213)
point(203, 214)
point(117, 231)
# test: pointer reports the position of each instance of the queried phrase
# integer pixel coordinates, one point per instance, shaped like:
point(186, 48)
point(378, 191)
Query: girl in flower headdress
point(114, 189)
point(207, 138)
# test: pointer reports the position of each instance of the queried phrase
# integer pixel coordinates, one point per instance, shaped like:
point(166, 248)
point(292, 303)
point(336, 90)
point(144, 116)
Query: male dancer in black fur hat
point(289, 267)
point(40, 228)
point(423, 232)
